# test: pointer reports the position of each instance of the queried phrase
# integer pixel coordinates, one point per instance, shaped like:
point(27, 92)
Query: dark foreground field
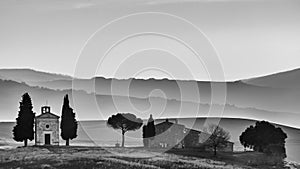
point(113, 158)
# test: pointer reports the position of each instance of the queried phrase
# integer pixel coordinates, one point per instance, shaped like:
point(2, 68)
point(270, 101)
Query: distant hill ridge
point(245, 93)
point(28, 75)
point(287, 73)
point(287, 80)
point(242, 100)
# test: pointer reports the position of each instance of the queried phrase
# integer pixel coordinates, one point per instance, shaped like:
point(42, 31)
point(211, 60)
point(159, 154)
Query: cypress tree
point(68, 123)
point(151, 128)
point(148, 132)
point(145, 136)
point(23, 131)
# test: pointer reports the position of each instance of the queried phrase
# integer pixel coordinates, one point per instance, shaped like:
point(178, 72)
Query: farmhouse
point(176, 135)
point(46, 128)
point(168, 135)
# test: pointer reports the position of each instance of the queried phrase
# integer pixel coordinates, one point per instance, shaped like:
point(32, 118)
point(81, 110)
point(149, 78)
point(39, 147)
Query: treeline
point(263, 137)
point(266, 138)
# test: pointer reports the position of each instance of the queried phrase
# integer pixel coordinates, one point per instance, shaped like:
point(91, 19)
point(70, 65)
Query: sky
point(179, 39)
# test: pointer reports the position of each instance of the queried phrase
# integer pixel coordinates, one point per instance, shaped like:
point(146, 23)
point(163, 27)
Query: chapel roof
point(47, 115)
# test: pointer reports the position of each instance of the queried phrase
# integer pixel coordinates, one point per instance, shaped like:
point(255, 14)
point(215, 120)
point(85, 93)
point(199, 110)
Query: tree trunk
point(215, 150)
point(148, 142)
point(25, 143)
point(260, 149)
point(123, 138)
point(67, 142)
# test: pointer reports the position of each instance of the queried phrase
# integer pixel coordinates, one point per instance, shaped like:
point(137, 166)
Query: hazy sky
point(251, 37)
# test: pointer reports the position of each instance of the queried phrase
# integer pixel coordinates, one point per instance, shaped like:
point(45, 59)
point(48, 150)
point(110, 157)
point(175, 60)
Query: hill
point(237, 125)
point(90, 106)
point(240, 93)
point(96, 133)
point(30, 75)
point(284, 80)
point(281, 87)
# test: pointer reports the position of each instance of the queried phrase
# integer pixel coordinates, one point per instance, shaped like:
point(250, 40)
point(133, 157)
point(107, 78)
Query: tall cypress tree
point(68, 123)
point(23, 131)
point(148, 132)
point(151, 127)
point(145, 136)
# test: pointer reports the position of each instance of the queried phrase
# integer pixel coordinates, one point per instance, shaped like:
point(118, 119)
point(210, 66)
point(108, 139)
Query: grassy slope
point(249, 158)
point(97, 131)
point(95, 157)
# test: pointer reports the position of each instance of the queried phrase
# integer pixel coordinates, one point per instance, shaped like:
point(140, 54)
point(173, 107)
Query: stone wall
point(47, 126)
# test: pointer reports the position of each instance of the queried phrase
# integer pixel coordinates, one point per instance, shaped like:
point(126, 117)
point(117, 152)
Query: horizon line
point(212, 117)
point(149, 78)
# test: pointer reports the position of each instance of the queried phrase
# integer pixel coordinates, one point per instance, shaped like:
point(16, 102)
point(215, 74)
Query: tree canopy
point(23, 130)
point(262, 136)
point(68, 124)
point(125, 122)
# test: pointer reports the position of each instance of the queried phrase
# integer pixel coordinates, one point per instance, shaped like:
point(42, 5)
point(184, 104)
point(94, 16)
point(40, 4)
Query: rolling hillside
point(245, 93)
point(30, 75)
point(97, 133)
point(284, 80)
point(94, 107)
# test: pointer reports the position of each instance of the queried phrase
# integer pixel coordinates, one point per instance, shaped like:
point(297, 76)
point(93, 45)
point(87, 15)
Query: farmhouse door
point(47, 139)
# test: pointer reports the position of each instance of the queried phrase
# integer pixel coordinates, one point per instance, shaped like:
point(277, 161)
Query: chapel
point(46, 127)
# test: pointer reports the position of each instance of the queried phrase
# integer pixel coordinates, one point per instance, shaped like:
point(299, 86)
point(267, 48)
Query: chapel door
point(47, 139)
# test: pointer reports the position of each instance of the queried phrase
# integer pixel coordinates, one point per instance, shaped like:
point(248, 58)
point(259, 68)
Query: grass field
point(251, 159)
point(117, 158)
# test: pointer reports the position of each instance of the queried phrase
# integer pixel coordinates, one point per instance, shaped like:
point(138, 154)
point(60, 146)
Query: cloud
point(83, 5)
point(158, 2)
point(59, 5)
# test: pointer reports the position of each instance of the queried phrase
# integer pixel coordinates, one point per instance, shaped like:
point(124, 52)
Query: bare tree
point(218, 137)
